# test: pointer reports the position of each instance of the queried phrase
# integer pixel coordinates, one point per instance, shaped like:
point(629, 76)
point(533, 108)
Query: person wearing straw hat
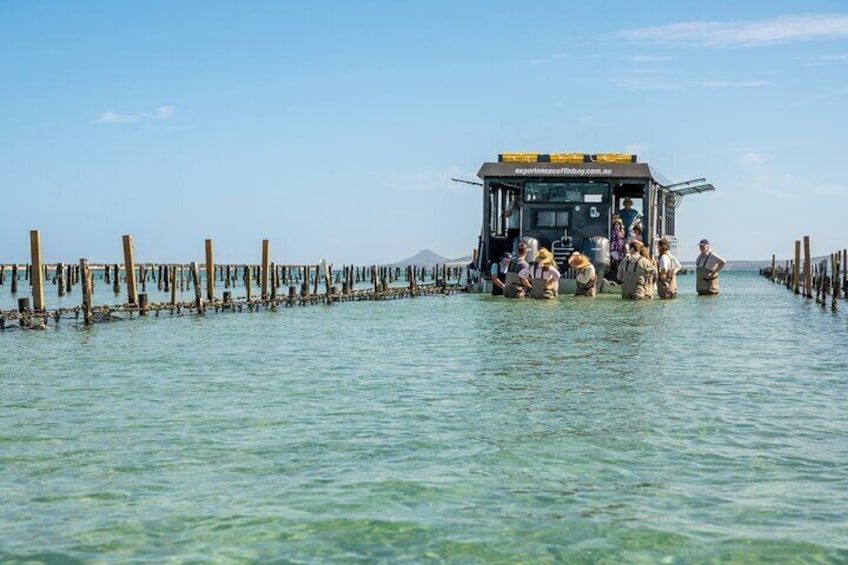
point(636, 274)
point(542, 279)
point(668, 267)
point(707, 267)
point(586, 275)
point(499, 270)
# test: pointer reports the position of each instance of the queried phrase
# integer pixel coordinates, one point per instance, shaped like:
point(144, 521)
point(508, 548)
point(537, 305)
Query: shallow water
point(459, 429)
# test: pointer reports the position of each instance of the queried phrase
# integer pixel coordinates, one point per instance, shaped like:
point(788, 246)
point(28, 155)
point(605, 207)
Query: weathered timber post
point(86, 283)
point(836, 281)
point(142, 276)
point(773, 274)
point(60, 278)
point(195, 277)
point(808, 273)
point(14, 278)
point(247, 281)
point(315, 282)
point(37, 269)
point(796, 269)
point(266, 262)
point(304, 285)
point(142, 303)
point(116, 279)
point(173, 277)
point(210, 272)
point(69, 279)
point(129, 270)
point(274, 281)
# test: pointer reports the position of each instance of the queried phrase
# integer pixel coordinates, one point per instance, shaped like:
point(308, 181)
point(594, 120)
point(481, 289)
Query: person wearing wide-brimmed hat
point(667, 271)
point(542, 279)
point(586, 275)
point(499, 270)
point(636, 274)
point(707, 266)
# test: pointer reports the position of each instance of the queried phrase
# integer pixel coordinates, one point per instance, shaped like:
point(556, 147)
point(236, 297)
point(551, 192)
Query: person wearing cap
point(636, 274)
point(628, 216)
point(542, 279)
point(499, 270)
point(668, 267)
point(707, 266)
point(586, 275)
point(513, 288)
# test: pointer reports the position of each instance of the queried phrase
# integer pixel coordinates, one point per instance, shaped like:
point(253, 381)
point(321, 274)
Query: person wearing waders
point(542, 279)
point(668, 267)
point(499, 270)
point(636, 274)
point(707, 266)
point(586, 278)
point(513, 287)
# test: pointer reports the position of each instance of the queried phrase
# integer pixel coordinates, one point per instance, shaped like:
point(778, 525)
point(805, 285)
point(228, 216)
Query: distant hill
point(428, 257)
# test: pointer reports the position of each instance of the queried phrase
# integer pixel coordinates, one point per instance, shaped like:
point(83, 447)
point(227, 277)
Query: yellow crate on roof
point(519, 157)
point(567, 157)
point(614, 158)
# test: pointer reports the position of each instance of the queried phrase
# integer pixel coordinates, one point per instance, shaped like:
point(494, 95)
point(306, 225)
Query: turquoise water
point(460, 429)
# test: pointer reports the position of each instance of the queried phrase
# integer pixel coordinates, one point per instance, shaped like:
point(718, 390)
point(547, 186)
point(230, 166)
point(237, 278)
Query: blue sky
point(333, 128)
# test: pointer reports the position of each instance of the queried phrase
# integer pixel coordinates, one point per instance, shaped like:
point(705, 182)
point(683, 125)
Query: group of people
point(641, 275)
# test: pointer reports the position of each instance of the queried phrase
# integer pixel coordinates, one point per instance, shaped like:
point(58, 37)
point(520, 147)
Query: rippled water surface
point(462, 429)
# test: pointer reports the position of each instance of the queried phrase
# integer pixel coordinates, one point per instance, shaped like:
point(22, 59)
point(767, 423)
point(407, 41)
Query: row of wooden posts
point(824, 279)
point(267, 277)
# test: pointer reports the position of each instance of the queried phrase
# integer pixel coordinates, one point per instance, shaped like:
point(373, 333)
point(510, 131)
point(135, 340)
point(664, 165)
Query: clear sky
point(332, 128)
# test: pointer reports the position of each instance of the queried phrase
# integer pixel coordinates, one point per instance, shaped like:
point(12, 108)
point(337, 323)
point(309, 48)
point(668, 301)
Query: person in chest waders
point(542, 279)
point(668, 267)
point(636, 274)
point(586, 278)
point(513, 287)
point(499, 270)
point(707, 267)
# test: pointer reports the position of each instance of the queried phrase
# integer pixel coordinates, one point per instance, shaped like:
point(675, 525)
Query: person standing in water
point(707, 266)
point(668, 267)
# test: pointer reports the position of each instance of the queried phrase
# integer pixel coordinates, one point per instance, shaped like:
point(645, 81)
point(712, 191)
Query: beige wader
point(705, 285)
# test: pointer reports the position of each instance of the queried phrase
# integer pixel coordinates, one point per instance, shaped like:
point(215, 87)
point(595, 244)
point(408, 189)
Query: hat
point(544, 257)
point(704, 242)
point(522, 246)
point(578, 261)
point(506, 257)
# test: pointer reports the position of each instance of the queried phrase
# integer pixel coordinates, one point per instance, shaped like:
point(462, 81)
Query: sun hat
point(578, 261)
point(544, 257)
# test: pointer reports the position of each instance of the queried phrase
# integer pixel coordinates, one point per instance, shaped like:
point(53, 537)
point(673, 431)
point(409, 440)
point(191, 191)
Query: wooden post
point(808, 273)
point(266, 261)
point(69, 279)
point(274, 282)
point(195, 276)
point(772, 274)
point(37, 268)
point(796, 268)
point(60, 278)
point(836, 281)
point(85, 274)
point(210, 272)
point(129, 269)
point(173, 276)
point(15, 278)
point(247, 281)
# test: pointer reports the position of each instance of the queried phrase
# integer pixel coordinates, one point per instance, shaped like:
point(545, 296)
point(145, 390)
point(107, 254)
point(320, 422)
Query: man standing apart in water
point(707, 267)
